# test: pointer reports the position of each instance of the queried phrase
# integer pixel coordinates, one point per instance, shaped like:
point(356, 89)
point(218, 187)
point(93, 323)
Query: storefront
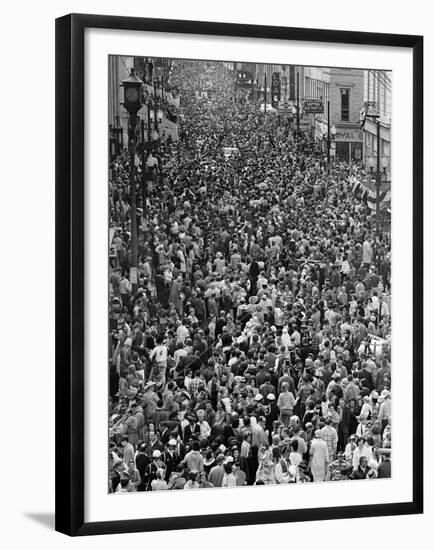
point(370, 144)
point(349, 143)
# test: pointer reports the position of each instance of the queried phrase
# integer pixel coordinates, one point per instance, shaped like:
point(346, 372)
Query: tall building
point(346, 101)
point(343, 90)
point(317, 86)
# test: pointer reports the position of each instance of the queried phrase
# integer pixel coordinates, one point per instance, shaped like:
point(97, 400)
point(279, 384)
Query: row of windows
point(345, 104)
point(315, 89)
point(319, 90)
point(371, 144)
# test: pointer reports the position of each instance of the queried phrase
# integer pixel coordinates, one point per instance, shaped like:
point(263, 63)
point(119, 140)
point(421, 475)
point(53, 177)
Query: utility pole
point(149, 126)
point(265, 94)
point(132, 103)
point(132, 151)
point(378, 180)
point(328, 136)
point(298, 103)
point(142, 134)
point(375, 115)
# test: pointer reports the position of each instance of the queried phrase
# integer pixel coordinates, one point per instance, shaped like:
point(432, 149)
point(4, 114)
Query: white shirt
point(205, 429)
point(182, 333)
point(365, 451)
point(160, 354)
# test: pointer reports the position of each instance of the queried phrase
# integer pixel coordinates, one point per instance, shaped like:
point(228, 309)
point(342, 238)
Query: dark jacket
point(384, 469)
point(171, 461)
point(346, 419)
point(360, 473)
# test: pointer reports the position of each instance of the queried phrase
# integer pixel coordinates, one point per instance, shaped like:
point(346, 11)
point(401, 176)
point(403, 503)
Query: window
point(345, 104)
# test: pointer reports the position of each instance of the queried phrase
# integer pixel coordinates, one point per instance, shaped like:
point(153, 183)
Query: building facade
point(317, 86)
point(346, 101)
point(378, 92)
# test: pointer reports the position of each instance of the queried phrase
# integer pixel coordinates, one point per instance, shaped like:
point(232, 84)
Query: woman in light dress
point(319, 457)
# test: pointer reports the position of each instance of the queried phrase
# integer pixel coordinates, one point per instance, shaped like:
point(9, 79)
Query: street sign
point(313, 106)
point(369, 111)
point(285, 108)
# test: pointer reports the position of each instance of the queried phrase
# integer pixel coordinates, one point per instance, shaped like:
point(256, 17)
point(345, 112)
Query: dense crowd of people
point(254, 347)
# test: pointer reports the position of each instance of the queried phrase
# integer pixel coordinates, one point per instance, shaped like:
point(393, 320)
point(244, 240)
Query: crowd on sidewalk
point(254, 347)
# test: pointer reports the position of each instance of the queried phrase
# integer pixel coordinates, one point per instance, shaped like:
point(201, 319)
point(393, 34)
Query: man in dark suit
point(192, 430)
point(344, 424)
point(171, 458)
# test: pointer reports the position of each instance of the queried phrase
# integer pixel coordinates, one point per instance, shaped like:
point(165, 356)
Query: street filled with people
point(252, 344)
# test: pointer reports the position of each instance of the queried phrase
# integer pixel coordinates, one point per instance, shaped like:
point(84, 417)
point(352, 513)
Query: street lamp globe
point(132, 93)
point(159, 115)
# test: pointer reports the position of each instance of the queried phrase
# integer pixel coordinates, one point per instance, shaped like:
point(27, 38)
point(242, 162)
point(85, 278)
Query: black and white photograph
point(249, 274)
point(210, 275)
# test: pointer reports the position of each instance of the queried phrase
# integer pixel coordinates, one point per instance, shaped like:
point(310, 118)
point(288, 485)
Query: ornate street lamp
point(133, 98)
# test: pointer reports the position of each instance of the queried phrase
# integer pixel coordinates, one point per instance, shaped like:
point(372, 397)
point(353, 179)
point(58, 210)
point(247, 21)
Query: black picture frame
point(70, 239)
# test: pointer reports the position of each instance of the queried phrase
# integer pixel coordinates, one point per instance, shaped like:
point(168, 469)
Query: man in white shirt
point(159, 354)
point(205, 428)
point(182, 332)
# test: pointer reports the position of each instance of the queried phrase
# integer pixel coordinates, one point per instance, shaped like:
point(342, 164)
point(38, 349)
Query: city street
point(249, 284)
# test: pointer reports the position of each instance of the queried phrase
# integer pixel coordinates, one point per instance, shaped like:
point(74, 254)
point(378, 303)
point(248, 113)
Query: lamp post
point(156, 85)
point(149, 126)
point(333, 137)
point(328, 136)
point(142, 136)
point(298, 103)
point(265, 95)
point(370, 112)
point(378, 181)
point(132, 103)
